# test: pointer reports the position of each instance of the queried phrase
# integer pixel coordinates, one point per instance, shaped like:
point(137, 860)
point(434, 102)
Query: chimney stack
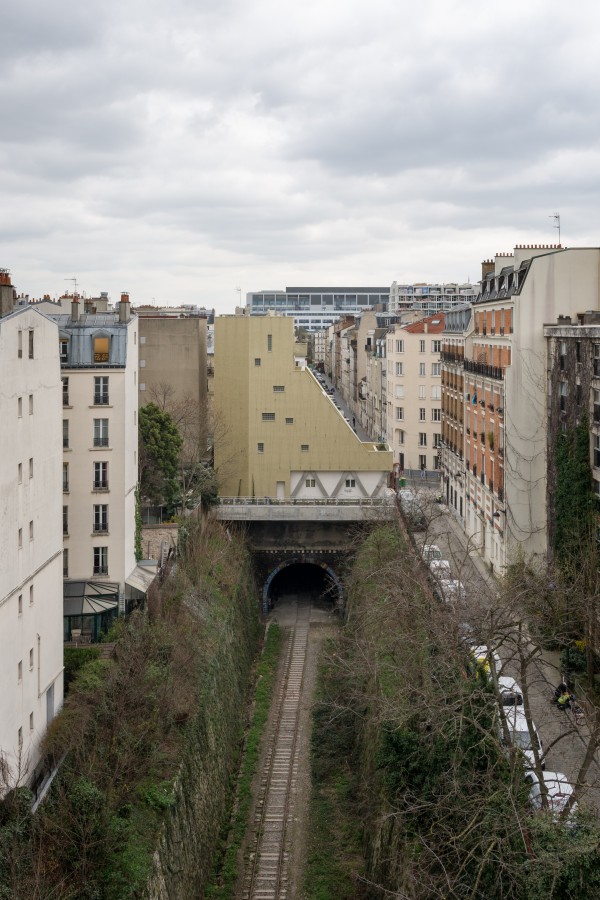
point(7, 293)
point(75, 309)
point(487, 268)
point(124, 309)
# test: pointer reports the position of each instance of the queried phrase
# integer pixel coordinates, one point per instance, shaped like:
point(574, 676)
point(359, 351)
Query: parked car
point(431, 551)
point(559, 792)
point(510, 692)
point(440, 568)
point(412, 506)
point(451, 589)
point(519, 736)
point(483, 659)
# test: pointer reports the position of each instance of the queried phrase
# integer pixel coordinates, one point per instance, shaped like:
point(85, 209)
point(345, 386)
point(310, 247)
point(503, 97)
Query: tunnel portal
point(315, 580)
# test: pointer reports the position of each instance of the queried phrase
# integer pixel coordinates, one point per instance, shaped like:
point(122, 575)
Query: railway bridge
point(304, 545)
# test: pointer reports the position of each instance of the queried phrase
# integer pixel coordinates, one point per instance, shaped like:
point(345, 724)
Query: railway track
point(267, 874)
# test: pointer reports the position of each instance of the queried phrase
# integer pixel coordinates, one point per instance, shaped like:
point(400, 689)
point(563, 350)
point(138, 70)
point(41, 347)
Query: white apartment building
point(430, 299)
point(99, 366)
point(414, 411)
point(31, 596)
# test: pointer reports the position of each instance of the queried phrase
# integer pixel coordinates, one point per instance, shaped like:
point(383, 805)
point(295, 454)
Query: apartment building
point(31, 597)
point(282, 436)
point(452, 455)
point(413, 364)
point(430, 299)
point(99, 368)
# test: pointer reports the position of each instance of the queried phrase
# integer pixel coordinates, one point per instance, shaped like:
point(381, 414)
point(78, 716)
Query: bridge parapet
point(255, 509)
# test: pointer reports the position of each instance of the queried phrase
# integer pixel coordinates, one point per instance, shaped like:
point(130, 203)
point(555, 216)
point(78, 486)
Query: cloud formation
point(181, 150)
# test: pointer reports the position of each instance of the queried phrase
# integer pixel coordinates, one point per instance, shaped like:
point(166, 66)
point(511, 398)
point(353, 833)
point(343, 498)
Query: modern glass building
point(315, 308)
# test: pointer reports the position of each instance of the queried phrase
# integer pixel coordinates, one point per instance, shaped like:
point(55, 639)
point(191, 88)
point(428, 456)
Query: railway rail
point(267, 875)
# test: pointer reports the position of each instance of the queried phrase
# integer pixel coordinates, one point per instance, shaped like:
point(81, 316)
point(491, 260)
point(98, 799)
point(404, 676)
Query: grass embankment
point(150, 740)
point(226, 870)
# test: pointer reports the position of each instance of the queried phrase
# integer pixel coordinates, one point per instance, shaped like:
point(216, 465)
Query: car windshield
point(522, 740)
point(510, 698)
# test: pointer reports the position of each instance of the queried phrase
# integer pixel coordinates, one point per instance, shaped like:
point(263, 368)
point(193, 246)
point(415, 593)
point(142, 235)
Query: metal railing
point(290, 501)
point(483, 369)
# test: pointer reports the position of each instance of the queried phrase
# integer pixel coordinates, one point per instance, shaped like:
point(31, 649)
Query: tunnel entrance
point(309, 582)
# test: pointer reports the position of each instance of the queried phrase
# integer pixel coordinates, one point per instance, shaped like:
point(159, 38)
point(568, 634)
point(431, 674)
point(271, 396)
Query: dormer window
point(101, 348)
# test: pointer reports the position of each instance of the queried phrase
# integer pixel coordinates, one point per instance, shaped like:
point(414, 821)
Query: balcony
point(483, 369)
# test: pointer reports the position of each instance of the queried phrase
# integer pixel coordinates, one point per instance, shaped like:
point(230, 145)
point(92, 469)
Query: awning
point(142, 577)
point(88, 598)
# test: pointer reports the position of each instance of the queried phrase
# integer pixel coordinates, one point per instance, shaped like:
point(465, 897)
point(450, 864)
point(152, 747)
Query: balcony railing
point(483, 369)
point(101, 485)
point(100, 442)
point(100, 399)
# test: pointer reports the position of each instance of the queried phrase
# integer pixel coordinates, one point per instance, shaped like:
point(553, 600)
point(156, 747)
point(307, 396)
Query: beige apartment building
point(280, 435)
point(414, 393)
point(172, 359)
point(31, 596)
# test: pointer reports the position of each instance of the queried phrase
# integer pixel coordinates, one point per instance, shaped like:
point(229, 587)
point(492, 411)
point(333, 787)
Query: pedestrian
point(422, 470)
point(353, 421)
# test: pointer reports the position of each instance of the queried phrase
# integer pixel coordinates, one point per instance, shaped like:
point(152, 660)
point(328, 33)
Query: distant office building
point(430, 299)
point(315, 308)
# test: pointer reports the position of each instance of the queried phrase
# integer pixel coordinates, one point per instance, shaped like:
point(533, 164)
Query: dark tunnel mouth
point(303, 577)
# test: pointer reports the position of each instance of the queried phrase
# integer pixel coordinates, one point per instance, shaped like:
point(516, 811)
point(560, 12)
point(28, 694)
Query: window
point(597, 451)
point(268, 417)
point(100, 432)
point(399, 368)
point(20, 344)
point(31, 343)
point(304, 448)
point(31, 595)
point(31, 659)
point(20, 538)
point(65, 391)
point(100, 390)
point(66, 563)
point(278, 388)
point(310, 482)
point(399, 436)
point(100, 476)
point(20, 736)
point(31, 466)
point(399, 413)
point(269, 342)
point(421, 370)
point(436, 415)
point(20, 407)
point(100, 517)
point(422, 392)
point(101, 351)
point(350, 482)
point(436, 392)
point(421, 346)
point(64, 350)
point(65, 434)
point(289, 421)
point(436, 346)
point(399, 346)
point(422, 462)
point(31, 529)
point(436, 368)
point(437, 441)
point(260, 447)
point(422, 439)
point(422, 413)
point(100, 560)
point(20, 604)
point(20, 670)
point(20, 473)
point(31, 404)
point(65, 519)
point(564, 393)
point(257, 361)
point(399, 394)
point(31, 721)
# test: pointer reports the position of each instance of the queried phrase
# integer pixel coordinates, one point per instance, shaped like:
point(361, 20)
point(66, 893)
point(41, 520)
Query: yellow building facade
point(277, 432)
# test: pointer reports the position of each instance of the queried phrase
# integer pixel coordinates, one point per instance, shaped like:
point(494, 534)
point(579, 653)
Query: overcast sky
point(186, 148)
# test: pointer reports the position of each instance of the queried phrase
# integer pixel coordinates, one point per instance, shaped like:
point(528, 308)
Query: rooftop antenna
point(556, 217)
point(239, 290)
point(74, 280)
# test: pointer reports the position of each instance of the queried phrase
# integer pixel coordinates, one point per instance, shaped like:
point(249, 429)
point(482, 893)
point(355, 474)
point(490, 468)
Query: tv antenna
point(556, 217)
point(74, 280)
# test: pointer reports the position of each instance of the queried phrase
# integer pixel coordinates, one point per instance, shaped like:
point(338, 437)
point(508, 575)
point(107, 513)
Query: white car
point(510, 692)
point(519, 736)
point(430, 552)
point(440, 568)
point(451, 589)
point(559, 792)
